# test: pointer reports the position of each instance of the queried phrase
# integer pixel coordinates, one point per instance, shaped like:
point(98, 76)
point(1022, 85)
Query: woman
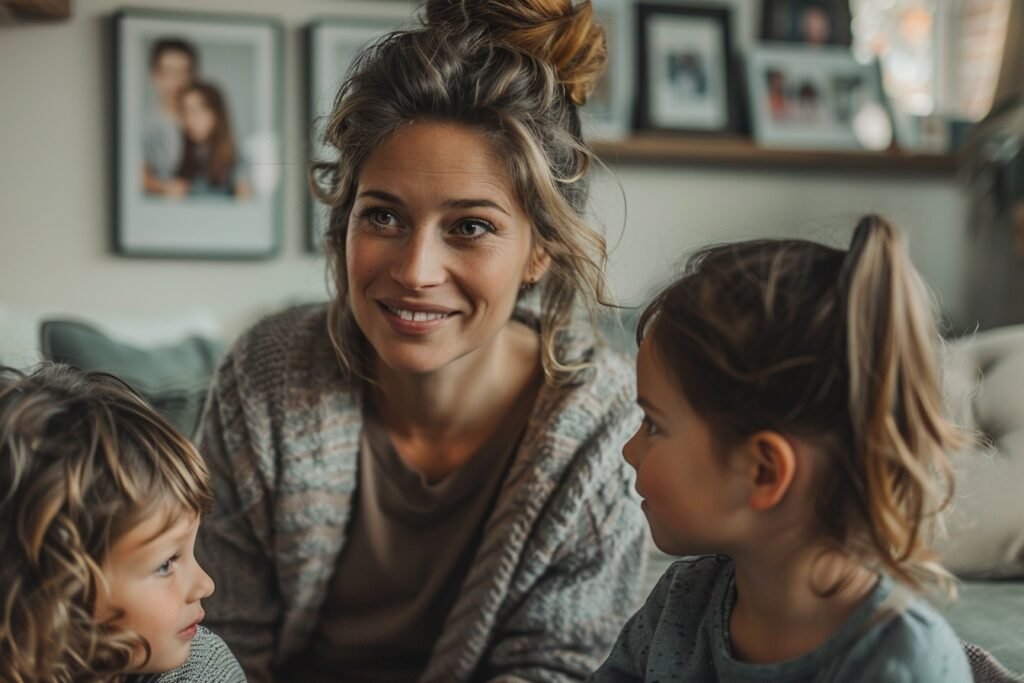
point(423, 481)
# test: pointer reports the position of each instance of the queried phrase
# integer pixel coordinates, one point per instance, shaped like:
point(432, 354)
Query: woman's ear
point(771, 466)
point(540, 261)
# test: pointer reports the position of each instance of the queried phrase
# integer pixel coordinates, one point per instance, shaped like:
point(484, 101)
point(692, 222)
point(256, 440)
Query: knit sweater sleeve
point(568, 620)
point(235, 539)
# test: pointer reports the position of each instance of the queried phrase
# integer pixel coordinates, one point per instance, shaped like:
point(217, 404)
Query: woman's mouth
point(416, 316)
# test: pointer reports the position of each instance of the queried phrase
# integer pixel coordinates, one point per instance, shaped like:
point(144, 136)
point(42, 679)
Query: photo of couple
point(188, 144)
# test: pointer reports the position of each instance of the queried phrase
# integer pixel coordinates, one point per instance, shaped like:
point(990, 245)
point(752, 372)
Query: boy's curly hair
point(83, 460)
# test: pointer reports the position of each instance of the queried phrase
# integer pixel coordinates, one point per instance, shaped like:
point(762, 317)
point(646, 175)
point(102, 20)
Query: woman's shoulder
point(295, 337)
point(281, 366)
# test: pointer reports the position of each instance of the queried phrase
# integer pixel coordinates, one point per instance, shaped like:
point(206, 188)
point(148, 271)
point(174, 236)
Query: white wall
point(56, 212)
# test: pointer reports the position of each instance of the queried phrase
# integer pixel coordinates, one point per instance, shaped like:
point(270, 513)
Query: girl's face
point(437, 248)
point(198, 119)
point(691, 496)
point(156, 585)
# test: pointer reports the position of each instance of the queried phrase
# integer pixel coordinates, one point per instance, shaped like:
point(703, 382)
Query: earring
point(527, 286)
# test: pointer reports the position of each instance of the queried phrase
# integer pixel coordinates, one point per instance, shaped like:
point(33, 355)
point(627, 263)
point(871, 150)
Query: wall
point(56, 212)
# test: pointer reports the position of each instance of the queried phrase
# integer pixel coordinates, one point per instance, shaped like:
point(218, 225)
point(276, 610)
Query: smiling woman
point(422, 480)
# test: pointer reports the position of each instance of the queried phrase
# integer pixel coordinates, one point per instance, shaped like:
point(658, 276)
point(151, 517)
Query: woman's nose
point(420, 261)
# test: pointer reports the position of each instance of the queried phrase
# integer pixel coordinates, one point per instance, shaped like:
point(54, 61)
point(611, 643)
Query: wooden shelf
point(38, 9)
point(742, 153)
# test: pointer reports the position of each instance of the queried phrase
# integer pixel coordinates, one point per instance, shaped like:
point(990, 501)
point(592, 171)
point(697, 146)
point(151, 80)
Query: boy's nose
point(204, 585)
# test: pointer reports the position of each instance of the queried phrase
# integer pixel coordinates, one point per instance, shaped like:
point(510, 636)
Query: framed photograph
point(608, 111)
point(812, 22)
point(332, 47)
point(198, 131)
point(684, 69)
point(816, 98)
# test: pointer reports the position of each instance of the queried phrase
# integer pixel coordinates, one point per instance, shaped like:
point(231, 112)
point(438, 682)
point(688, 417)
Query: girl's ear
point(771, 462)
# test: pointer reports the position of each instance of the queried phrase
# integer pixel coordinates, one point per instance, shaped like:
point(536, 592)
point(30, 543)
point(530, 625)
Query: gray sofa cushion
point(173, 379)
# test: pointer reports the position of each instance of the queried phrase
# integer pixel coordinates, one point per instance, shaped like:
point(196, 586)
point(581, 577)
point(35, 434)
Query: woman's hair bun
point(563, 33)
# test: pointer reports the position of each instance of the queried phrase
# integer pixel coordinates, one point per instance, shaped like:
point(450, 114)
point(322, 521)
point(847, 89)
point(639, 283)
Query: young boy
point(100, 503)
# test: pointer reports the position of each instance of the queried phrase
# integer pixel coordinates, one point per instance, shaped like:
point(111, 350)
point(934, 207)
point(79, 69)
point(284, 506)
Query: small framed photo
point(608, 111)
point(684, 57)
point(811, 22)
point(816, 98)
point(198, 132)
point(332, 46)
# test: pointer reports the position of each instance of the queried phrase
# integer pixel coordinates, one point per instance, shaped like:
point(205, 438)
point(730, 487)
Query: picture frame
point(332, 46)
point(608, 112)
point(811, 22)
point(684, 67)
point(198, 133)
point(816, 98)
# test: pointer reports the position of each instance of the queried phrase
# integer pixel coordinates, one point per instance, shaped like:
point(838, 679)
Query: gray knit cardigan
point(562, 557)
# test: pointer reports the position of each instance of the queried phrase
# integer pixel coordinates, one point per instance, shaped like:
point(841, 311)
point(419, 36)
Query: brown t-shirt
point(410, 544)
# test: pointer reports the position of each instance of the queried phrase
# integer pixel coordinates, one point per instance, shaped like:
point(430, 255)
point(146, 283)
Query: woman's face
point(198, 120)
point(437, 247)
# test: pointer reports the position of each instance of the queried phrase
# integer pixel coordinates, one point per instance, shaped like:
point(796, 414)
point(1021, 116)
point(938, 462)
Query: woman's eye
point(381, 218)
point(473, 229)
point(648, 427)
point(166, 568)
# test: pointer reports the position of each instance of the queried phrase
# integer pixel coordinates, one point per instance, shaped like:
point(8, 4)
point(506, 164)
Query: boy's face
point(157, 584)
point(172, 73)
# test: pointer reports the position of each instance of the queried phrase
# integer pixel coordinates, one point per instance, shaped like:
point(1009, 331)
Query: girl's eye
point(473, 229)
point(166, 568)
point(648, 427)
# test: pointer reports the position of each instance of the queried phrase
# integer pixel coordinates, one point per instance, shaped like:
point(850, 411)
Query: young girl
point(210, 164)
point(793, 430)
point(100, 500)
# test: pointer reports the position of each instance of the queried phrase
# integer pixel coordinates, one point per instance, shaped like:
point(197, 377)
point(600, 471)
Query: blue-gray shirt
point(682, 634)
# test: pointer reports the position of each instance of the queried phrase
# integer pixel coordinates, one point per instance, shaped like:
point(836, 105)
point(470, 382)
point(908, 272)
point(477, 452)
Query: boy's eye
point(167, 567)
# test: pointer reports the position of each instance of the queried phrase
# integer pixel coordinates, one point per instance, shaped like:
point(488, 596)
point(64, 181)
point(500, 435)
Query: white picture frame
point(607, 115)
point(817, 97)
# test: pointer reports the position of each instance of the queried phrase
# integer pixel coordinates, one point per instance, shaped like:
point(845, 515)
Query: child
point(793, 427)
point(100, 500)
point(210, 164)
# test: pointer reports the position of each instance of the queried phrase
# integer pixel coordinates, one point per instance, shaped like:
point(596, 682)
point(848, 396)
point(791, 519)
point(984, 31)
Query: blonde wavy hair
point(83, 460)
point(839, 347)
point(515, 70)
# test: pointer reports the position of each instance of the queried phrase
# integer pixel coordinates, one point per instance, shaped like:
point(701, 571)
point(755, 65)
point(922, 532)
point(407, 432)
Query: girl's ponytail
point(900, 433)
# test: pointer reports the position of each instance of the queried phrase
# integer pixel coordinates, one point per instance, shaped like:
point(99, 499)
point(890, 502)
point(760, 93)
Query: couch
point(171, 362)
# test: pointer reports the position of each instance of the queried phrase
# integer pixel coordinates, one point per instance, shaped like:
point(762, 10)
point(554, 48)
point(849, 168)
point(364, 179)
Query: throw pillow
point(173, 379)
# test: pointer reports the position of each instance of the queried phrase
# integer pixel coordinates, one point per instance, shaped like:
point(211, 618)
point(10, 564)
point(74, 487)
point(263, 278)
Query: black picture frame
point(685, 70)
point(216, 193)
point(803, 21)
